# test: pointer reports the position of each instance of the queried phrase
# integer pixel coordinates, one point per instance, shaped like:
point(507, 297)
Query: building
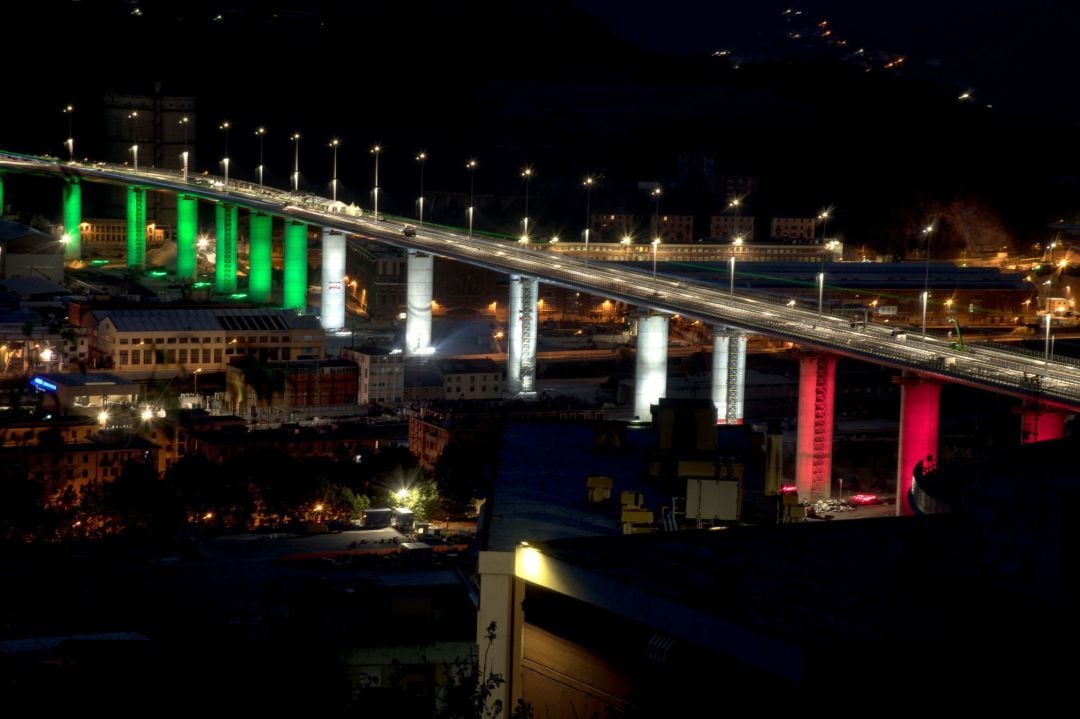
point(84, 393)
point(290, 391)
point(470, 378)
point(793, 228)
point(382, 374)
point(379, 273)
point(611, 226)
point(672, 228)
point(108, 237)
point(728, 227)
point(178, 340)
point(344, 441)
point(25, 252)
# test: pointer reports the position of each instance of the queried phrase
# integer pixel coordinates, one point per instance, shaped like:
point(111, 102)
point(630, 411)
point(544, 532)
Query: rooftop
point(230, 320)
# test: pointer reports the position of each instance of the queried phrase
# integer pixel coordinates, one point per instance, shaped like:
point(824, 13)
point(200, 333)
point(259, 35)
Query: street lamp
point(184, 122)
point(1046, 353)
point(135, 156)
point(656, 192)
point(196, 376)
point(333, 179)
point(420, 157)
point(588, 217)
point(926, 277)
point(296, 162)
point(261, 134)
point(69, 110)
point(626, 241)
point(824, 217)
point(527, 174)
point(655, 245)
point(820, 291)
point(225, 158)
point(925, 298)
point(736, 204)
point(375, 151)
point(471, 167)
point(731, 273)
point(738, 240)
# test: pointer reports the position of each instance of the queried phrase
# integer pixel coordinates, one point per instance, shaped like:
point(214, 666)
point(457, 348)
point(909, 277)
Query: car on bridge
point(409, 231)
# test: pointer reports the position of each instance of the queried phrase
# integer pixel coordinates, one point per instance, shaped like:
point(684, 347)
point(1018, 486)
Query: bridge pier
point(920, 404)
point(260, 256)
point(1, 194)
point(650, 373)
point(294, 293)
point(419, 272)
point(1039, 423)
point(225, 263)
point(521, 330)
point(728, 374)
point(332, 314)
point(813, 450)
point(136, 227)
point(72, 219)
point(187, 226)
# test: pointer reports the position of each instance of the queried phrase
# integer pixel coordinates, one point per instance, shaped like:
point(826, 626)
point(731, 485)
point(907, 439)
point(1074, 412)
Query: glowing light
point(147, 414)
point(103, 417)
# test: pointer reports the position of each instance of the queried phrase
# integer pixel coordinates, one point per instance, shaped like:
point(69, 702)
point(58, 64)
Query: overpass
point(1047, 387)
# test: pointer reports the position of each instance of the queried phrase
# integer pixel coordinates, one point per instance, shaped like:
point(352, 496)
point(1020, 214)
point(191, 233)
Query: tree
point(462, 474)
point(422, 497)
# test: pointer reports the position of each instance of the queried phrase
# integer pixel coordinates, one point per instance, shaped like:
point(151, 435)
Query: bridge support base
point(728, 375)
point(521, 337)
point(650, 378)
point(418, 295)
point(813, 450)
point(920, 405)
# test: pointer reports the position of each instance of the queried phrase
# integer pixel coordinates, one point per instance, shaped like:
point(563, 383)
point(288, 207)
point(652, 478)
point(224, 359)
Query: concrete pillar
point(72, 219)
point(295, 289)
point(650, 377)
point(1, 195)
point(260, 254)
point(495, 616)
point(728, 375)
point(187, 227)
point(920, 403)
point(225, 264)
point(333, 280)
point(521, 336)
point(418, 295)
point(813, 449)
point(1039, 423)
point(136, 227)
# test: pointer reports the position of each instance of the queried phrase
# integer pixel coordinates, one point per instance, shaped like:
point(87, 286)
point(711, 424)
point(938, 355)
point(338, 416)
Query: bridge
point(1047, 387)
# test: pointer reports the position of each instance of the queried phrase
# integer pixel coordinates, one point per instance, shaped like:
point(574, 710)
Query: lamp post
point(588, 217)
point(627, 240)
point(135, 156)
point(296, 162)
point(375, 192)
point(527, 174)
point(731, 287)
point(261, 134)
point(656, 192)
point(820, 291)
point(736, 204)
point(824, 217)
point(420, 157)
point(926, 277)
point(471, 167)
point(185, 121)
point(1046, 353)
point(225, 157)
point(134, 117)
point(196, 376)
point(69, 110)
point(655, 245)
point(333, 176)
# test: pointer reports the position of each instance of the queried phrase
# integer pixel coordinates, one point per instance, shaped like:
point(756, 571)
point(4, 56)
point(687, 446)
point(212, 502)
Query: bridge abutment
point(419, 275)
point(650, 376)
point(728, 375)
point(521, 330)
point(920, 406)
point(332, 314)
point(136, 227)
point(72, 219)
point(294, 292)
point(814, 440)
point(1039, 423)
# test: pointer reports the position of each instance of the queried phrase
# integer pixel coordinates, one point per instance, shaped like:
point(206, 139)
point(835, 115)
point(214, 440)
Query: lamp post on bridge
point(375, 151)
point(333, 176)
point(928, 230)
point(471, 167)
point(69, 110)
point(296, 162)
point(225, 158)
point(185, 121)
point(527, 174)
point(588, 216)
point(261, 134)
point(420, 157)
